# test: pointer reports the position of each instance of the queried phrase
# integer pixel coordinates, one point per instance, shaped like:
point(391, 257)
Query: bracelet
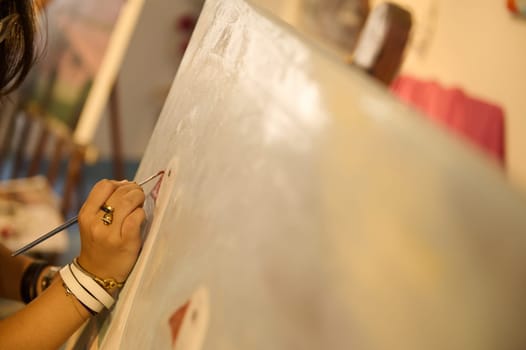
point(106, 283)
point(92, 287)
point(88, 292)
point(29, 281)
point(69, 292)
point(48, 277)
point(79, 291)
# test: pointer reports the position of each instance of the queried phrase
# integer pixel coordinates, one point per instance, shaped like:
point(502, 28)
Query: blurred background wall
point(479, 46)
point(148, 71)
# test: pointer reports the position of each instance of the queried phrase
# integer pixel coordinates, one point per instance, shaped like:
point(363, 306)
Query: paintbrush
point(68, 223)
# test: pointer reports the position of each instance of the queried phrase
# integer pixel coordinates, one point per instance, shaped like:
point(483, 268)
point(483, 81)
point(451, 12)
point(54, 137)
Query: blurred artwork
point(517, 7)
point(29, 208)
point(74, 40)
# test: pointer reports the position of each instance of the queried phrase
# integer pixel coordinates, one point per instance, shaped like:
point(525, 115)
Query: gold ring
point(107, 218)
point(107, 208)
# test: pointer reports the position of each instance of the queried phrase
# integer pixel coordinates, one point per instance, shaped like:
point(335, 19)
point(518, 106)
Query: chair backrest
point(32, 145)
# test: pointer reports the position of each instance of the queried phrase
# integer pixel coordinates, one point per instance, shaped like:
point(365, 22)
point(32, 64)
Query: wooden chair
point(33, 145)
point(32, 148)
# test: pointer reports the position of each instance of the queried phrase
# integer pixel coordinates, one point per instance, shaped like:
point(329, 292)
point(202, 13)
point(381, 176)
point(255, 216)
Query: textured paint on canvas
point(75, 39)
point(315, 211)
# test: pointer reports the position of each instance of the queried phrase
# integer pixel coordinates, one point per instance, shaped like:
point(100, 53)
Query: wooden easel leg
point(116, 141)
point(6, 140)
point(73, 178)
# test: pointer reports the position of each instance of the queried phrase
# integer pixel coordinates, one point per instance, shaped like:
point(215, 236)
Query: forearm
point(11, 271)
point(46, 323)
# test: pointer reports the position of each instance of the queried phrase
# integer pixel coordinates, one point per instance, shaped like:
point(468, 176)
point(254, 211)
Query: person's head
point(17, 48)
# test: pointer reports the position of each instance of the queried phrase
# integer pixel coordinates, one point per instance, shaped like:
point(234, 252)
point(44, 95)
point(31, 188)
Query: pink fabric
point(480, 122)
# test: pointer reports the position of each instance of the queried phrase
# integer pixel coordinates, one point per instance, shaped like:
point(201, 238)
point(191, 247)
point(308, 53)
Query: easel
point(116, 133)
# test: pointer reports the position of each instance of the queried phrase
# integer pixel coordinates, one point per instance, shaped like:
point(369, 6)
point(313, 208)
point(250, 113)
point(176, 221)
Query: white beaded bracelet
point(79, 291)
point(92, 287)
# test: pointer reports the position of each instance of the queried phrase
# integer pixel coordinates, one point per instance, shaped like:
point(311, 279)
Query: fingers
point(110, 250)
point(98, 196)
point(131, 225)
point(125, 199)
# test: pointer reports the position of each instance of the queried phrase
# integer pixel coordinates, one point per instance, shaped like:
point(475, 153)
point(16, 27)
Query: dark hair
point(17, 49)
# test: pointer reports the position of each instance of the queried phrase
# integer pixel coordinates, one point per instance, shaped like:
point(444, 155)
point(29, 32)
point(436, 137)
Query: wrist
point(109, 270)
point(110, 284)
point(92, 292)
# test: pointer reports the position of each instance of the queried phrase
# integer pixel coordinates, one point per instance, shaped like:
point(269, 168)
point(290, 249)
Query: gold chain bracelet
point(106, 283)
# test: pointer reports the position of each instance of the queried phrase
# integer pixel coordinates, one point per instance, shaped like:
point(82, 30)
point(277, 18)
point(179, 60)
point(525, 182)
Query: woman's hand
point(110, 251)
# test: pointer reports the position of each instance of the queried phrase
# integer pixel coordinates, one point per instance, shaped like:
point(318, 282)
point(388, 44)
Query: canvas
point(302, 207)
point(75, 39)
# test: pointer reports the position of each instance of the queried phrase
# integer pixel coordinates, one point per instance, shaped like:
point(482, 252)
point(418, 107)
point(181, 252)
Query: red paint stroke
point(176, 320)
